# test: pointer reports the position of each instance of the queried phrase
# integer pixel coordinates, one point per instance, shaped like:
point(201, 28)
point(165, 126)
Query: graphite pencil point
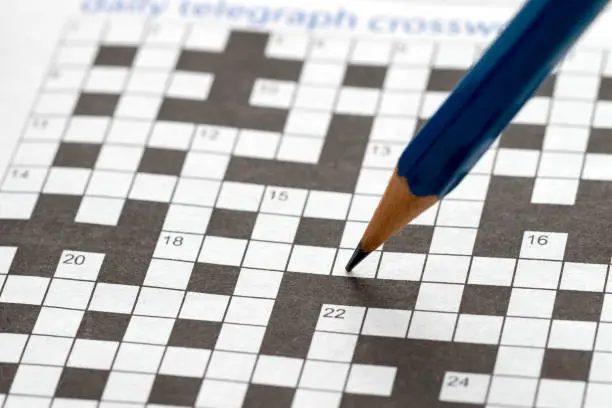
point(358, 256)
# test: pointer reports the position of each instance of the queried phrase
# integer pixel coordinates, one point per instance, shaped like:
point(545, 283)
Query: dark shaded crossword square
point(547, 87)
point(600, 141)
point(96, 104)
point(18, 318)
point(126, 267)
point(566, 364)
point(259, 396)
point(55, 210)
point(364, 76)
point(231, 223)
point(605, 89)
point(7, 374)
point(37, 260)
point(197, 61)
point(578, 305)
point(76, 155)
point(172, 390)
point(485, 300)
point(213, 279)
point(115, 56)
point(411, 238)
point(82, 383)
point(518, 136)
point(444, 80)
point(319, 232)
point(161, 161)
point(103, 326)
point(194, 334)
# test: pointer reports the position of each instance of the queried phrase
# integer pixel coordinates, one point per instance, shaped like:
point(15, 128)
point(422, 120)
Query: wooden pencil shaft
point(397, 207)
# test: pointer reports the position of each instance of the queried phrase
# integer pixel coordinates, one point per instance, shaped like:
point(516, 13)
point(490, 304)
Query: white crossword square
point(519, 361)
point(123, 33)
point(356, 101)
point(576, 113)
point(478, 329)
point(138, 107)
point(329, 49)
point(328, 205)
point(299, 149)
point(152, 187)
point(240, 338)
point(160, 59)
point(554, 191)
point(536, 273)
point(464, 387)
point(315, 97)
point(543, 245)
point(216, 393)
point(178, 246)
point(577, 86)
point(568, 139)
point(122, 158)
point(215, 139)
point(413, 53)
point(35, 153)
point(106, 80)
point(223, 251)
point(393, 129)
point(560, 393)
point(86, 129)
point(56, 103)
point(146, 82)
point(582, 61)
point(171, 135)
point(64, 79)
point(311, 259)
point(394, 103)
point(129, 132)
point(406, 78)
point(168, 274)
point(44, 128)
point(227, 365)
point(257, 144)
point(77, 31)
point(363, 207)
point(185, 362)
point(272, 93)
point(369, 52)
point(113, 298)
point(75, 54)
point(204, 306)
point(203, 37)
point(277, 371)
point(24, 179)
point(305, 122)
point(322, 73)
point(165, 34)
point(454, 56)
point(190, 85)
point(287, 46)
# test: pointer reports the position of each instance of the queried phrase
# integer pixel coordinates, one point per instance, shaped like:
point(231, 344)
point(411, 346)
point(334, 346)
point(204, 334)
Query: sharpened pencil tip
point(358, 256)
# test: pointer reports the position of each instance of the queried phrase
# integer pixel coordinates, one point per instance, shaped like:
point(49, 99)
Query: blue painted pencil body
point(492, 93)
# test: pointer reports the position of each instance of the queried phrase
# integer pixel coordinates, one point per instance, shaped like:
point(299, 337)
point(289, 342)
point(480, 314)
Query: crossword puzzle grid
point(177, 216)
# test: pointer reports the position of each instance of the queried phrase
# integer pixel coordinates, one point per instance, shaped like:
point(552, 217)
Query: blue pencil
point(485, 100)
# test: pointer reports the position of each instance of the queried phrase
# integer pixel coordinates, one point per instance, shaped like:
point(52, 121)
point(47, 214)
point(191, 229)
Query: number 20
point(72, 259)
